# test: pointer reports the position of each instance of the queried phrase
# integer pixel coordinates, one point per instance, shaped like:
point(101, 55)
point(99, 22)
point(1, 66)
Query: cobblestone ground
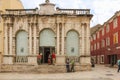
point(98, 73)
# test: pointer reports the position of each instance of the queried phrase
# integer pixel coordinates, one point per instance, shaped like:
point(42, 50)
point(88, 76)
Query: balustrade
point(21, 59)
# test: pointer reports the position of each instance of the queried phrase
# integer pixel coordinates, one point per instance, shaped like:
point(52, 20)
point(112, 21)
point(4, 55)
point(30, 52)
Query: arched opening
point(72, 43)
point(47, 44)
point(21, 46)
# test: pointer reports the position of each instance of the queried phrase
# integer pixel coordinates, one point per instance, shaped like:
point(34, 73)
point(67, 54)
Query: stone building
point(6, 4)
point(28, 32)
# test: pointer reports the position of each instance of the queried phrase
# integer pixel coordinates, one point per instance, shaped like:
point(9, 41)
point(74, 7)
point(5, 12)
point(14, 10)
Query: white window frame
point(102, 59)
point(115, 23)
point(98, 45)
point(107, 28)
point(103, 32)
point(98, 35)
point(115, 34)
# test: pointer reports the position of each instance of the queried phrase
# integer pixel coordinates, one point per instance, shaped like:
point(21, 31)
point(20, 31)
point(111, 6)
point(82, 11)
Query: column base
point(32, 60)
point(60, 59)
point(85, 60)
point(8, 59)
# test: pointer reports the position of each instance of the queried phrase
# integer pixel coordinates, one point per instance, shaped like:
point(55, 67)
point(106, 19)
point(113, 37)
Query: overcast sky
point(101, 9)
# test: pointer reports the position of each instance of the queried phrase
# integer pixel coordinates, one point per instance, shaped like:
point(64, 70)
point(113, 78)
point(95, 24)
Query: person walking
point(72, 65)
point(68, 65)
point(118, 62)
point(39, 59)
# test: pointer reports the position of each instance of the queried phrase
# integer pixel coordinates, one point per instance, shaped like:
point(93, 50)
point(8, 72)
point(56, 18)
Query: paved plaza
point(98, 73)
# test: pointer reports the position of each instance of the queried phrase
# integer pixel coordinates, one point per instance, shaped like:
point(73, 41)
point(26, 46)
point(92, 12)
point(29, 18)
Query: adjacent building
point(105, 41)
point(28, 32)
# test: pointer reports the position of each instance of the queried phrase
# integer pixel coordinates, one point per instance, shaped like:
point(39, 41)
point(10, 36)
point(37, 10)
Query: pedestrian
point(39, 59)
point(49, 59)
point(92, 62)
point(68, 65)
point(118, 62)
point(72, 65)
point(53, 58)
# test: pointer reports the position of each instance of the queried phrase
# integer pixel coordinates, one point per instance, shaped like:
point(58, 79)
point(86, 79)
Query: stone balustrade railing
point(21, 59)
point(58, 10)
point(20, 11)
point(74, 11)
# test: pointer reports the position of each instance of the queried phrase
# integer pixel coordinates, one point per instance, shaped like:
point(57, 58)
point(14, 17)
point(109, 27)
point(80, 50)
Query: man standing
point(53, 58)
point(39, 59)
point(118, 62)
point(72, 65)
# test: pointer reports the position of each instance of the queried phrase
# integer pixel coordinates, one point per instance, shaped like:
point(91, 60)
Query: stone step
point(43, 68)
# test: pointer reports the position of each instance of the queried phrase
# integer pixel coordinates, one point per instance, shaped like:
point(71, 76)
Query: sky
point(101, 9)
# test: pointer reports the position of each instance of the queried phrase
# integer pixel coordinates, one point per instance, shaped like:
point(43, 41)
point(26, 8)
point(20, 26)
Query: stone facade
point(58, 23)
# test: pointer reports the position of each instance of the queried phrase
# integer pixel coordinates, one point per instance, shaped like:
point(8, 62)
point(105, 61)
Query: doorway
point(46, 54)
point(46, 51)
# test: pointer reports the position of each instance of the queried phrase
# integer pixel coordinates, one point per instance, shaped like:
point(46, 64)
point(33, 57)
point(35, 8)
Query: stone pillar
point(6, 40)
point(32, 59)
point(8, 56)
point(30, 40)
point(63, 40)
point(88, 40)
point(35, 39)
point(58, 39)
point(83, 37)
point(10, 41)
point(85, 58)
point(60, 57)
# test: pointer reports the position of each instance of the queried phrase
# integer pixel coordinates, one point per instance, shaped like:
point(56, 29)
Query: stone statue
point(47, 1)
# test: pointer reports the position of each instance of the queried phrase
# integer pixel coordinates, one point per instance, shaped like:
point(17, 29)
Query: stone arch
point(47, 37)
point(21, 43)
point(72, 43)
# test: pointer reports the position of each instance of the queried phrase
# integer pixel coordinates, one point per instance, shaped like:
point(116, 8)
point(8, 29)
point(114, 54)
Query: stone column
point(30, 40)
point(10, 40)
point(88, 40)
point(6, 40)
point(62, 39)
point(35, 39)
point(60, 58)
point(58, 39)
point(83, 37)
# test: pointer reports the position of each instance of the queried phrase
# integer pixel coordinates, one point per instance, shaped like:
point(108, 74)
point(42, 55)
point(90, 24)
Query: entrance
point(112, 59)
point(46, 51)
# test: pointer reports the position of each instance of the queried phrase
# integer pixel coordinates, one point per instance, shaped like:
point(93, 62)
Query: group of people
point(70, 65)
point(51, 58)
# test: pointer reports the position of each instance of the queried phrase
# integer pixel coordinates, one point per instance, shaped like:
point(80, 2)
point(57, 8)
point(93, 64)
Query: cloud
point(101, 9)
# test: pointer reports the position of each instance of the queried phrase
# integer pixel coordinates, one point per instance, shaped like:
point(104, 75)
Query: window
point(102, 58)
point(102, 31)
point(94, 36)
point(115, 23)
point(94, 46)
point(115, 38)
point(103, 43)
point(98, 45)
point(98, 35)
point(91, 47)
point(91, 39)
point(107, 28)
point(107, 41)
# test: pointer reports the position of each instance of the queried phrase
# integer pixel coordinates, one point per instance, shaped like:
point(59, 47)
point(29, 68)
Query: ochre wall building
point(29, 32)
